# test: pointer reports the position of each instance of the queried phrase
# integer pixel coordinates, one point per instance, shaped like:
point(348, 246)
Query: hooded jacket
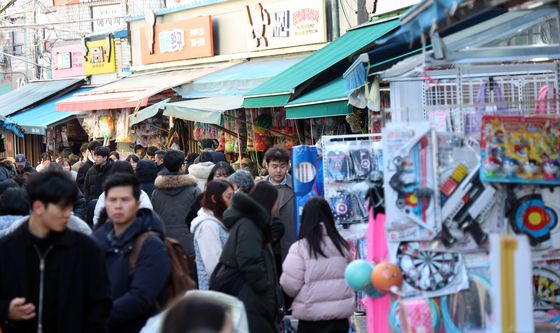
point(7, 170)
point(172, 199)
point(93, 185)
point(146, 172)
point(247, 251)
point(74, 223)
point(210, 235)
point(200, 172)
point(100, 205)
point(317, 284)
point(134, 297)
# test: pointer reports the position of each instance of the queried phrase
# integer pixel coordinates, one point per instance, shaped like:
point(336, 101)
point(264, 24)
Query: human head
point(173, 160)
point(21, 161)
point(133, 160)
point(159, 155)
point(122, 199)
point(6, 184)
point(217, 197)
point(151, 152)
point(45, 157)
point(121, 167)
point(73, 158)
point(277, 163)
point(84, 150)
point(101, 155)
point(266, 195)
point(146, 171)
point(114, 155)
point(65, 164)
point(317, 211)
point(205, 156)
point(52, 195)
point(92, 146)
point(196, 314)
point(206, 144)
point(14, 201)
point(242, 180)
point(140, 151)
point(221, 170)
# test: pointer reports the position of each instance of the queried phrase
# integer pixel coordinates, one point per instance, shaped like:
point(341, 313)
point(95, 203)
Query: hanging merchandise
point(546, 292)
point(411, 182)
point(106, 126)
point(414, 316)
point(123, 134)
point(489, 99)
point(521, 149)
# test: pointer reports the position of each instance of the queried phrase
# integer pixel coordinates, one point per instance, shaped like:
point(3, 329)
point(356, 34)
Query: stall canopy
point(236, 80)
point(205, 110)
point(34, 93)
point(37, 119)
point(326, 101)
point(133, 91)
point(278, 90)
point(147, 112)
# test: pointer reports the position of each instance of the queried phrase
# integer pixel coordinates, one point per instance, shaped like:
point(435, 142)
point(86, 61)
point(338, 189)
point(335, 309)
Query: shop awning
point(205, 110)
point(33, 93)
point(277, 91)
point(133, 91)
point(147, 112)
point(37, 119)
point(236, 80)
point(326, 101)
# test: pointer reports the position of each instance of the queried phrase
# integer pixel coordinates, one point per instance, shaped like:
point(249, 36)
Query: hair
point(65, 160)
point(206, 143)
point(161, 153)
point(102, 151)
point(265, 194)
point(220, 166)
point(54, 187)
point(316, 212)
point(6, 184)
point(14, 201)
point(195, 314)
point(46, 156)
point(205, 156)
point(73, 158)
point(151, 151)
point(83, 148)
point(191, 157)
point(146, 171)
point(137, 147)
point(116, 154)
point(215, 189)
point(93, 145)
point(123, 179)
point(121, 167)
point(173, 160)
point(277, 153)
point(132, 157)
point(243, 179)
point(55, 167)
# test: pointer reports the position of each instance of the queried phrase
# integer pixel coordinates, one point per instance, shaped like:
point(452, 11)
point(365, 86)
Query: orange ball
point(386, 275)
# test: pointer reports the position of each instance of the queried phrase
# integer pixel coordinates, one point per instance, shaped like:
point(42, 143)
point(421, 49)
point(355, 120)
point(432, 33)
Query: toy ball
point(511, 166)
point(492, 164)
point(550, 167)
point(531, 167)
point(358, 274)
point(386, 275)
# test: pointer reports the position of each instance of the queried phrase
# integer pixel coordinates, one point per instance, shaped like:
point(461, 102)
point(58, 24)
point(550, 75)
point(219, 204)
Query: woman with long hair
point(208, 231)
point(313, 273)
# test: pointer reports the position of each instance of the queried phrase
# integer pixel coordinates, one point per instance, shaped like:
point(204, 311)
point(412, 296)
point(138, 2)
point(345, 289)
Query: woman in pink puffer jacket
point(313, 273)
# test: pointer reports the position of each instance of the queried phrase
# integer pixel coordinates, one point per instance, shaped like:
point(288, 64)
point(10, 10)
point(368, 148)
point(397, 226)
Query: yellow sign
point(100, 57)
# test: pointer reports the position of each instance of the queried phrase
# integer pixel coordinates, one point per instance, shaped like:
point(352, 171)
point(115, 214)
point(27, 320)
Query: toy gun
point(465, 205)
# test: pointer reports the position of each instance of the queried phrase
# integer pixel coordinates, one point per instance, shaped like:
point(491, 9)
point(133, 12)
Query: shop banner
point(285, 24)
point(108, 18)
point(67, 61)
point(100, 57)
point(181, 40)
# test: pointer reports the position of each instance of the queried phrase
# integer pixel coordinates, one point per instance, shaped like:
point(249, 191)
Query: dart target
point(546, 288)
point(427, 270)
point(532, 217)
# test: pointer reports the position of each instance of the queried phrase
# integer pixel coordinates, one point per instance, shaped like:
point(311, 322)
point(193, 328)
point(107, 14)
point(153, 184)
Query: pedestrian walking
point(14, 205)
point(201, 170)
point(88, 164)
point(96, 175)
point(146, 172)
point(242, 180)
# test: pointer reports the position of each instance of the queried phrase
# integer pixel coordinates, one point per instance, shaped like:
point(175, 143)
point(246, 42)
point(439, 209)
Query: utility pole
point(363, 15)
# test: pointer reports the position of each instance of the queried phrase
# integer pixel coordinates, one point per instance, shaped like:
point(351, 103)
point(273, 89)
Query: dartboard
point(546, 288)
point(532, 217)
point(427, 270)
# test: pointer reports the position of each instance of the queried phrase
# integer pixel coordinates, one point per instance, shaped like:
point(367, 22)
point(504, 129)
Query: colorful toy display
point(519, 149)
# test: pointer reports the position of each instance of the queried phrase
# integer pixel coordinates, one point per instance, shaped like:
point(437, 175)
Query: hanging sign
point(107, 18)
point(67, 61)
point(186, 39)
point(284, 24)
point(100, 56)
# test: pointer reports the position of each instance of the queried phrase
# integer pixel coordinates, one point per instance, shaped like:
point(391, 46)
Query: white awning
point(205, 110)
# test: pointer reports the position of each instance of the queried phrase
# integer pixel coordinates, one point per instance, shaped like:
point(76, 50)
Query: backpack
point(179, 280)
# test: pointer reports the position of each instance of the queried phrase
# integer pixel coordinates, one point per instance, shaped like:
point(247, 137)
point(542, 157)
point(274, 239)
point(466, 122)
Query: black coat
point(146, 172)
point(247, 250)
point(75, 267)
point(82, 172)
point(134, 297)
point(93, 185)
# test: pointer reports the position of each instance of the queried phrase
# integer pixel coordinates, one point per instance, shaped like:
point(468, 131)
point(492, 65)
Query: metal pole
point(336, 19)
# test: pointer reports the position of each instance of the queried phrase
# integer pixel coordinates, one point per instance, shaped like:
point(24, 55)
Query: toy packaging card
point(546, 292)
point(411, 182)
point(519, 149)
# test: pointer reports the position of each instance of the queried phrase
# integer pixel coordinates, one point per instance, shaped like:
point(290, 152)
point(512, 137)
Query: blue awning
point(236, 80)
point(34, 93)
point(37, 119)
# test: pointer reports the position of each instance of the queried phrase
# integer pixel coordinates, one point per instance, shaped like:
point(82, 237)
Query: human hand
point(19, 310)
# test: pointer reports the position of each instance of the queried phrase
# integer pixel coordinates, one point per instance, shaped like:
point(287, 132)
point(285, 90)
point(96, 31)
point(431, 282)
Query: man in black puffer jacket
point(93, 185)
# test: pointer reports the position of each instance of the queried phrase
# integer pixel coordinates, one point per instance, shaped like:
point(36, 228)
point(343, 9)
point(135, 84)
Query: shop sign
point(285, 24)
point(100, 56)
point(107, 18)
point(186, 39)
point(67, 61)
point(379, 7)
point(190, 3)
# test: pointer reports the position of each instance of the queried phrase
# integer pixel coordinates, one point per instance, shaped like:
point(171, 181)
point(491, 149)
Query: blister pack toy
point(338, 168)
point(411, 182)
point(522, 150)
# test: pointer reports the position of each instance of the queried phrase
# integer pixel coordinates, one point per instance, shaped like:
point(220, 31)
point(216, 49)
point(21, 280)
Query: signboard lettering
point(100, 56)
point(107, 18)
point(67, 61)
point(64, 60)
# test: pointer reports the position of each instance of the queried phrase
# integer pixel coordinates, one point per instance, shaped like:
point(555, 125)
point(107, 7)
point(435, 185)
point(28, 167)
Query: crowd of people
point(86, 242)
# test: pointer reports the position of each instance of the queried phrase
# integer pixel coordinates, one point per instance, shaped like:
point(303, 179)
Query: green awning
point(278, 90)
point(326, 101)
point(204, 110)
point(147, 112)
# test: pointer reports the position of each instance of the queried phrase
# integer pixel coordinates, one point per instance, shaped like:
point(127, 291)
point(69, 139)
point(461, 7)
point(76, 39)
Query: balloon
point(372, 292)
point(386, 275)
point(358, 274)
